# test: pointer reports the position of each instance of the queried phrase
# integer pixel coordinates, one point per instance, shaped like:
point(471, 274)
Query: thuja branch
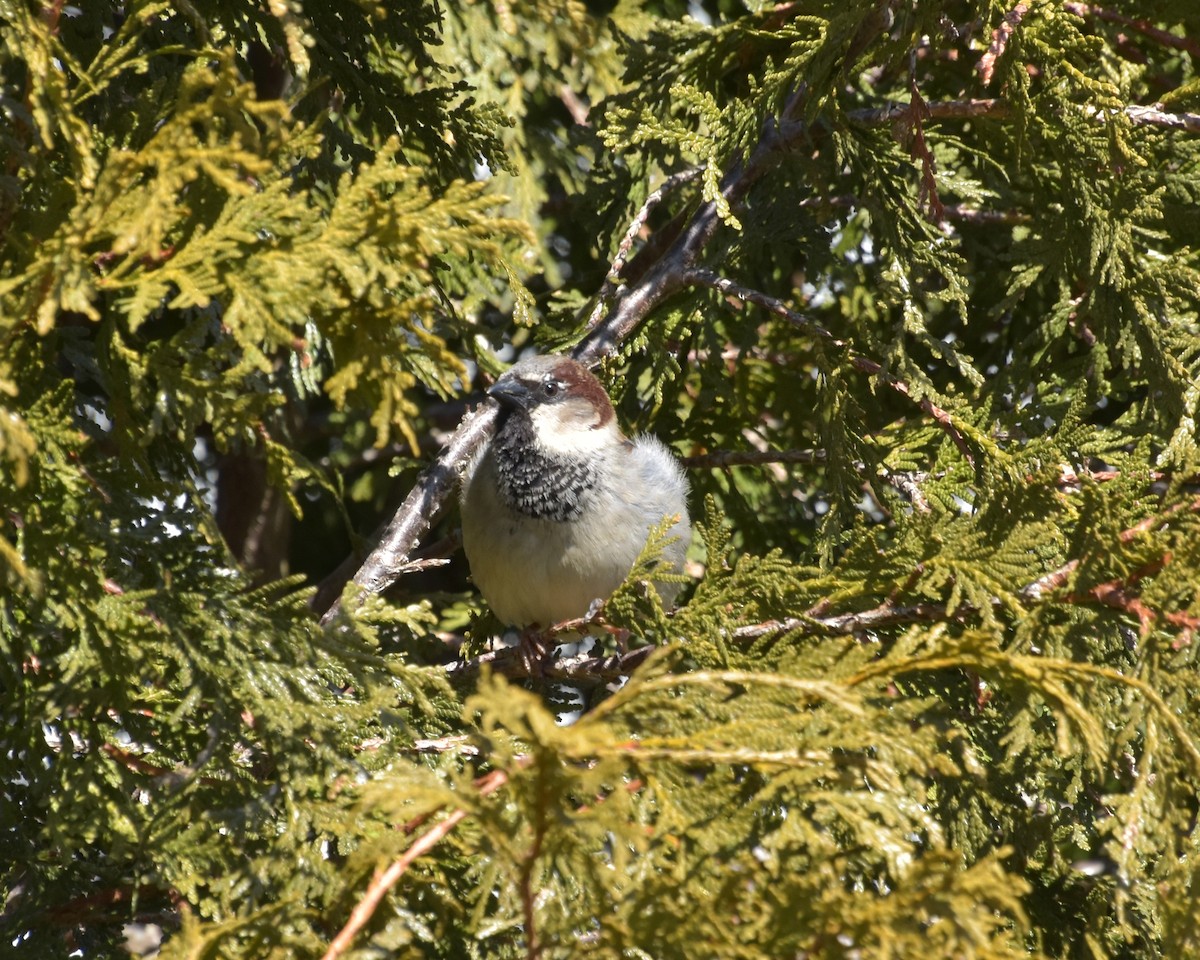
point(1157, 34)
point(942, 417)
point(384, 880)
point(997, 109)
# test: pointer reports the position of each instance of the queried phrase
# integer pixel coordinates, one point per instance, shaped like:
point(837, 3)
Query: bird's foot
point(536, 646)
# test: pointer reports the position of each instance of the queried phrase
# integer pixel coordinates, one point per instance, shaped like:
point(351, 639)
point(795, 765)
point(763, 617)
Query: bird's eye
point(550, 388)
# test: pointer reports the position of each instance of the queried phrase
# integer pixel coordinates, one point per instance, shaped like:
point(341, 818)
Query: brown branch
point(927, 192)
point(954, 212)
point(779, 308)
point(937, 110)
point(533, 948)
point(723, 459)
point(1144, 27)
point(422, 505)
point(996, 109)
point(1153, 117)
point(962, 214)
point(583, 669)
point(384, 880)
point(593, 670)
point(884, 615)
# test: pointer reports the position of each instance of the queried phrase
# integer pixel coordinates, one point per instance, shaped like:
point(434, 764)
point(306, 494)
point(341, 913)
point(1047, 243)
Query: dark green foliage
point(933, 689)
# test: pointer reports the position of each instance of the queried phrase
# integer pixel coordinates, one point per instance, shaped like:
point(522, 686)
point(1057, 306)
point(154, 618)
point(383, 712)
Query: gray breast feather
point(542, 570)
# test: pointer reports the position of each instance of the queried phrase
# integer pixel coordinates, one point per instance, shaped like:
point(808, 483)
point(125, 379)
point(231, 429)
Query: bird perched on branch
point(558, 505)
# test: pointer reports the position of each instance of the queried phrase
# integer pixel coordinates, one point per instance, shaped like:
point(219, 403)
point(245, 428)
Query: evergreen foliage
point(933, 687)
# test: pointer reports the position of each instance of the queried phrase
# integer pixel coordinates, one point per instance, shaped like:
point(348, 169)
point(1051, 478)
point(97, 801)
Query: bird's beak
point(510, 392)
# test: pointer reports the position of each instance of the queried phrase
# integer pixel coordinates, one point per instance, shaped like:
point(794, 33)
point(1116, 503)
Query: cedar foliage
point(934, 692)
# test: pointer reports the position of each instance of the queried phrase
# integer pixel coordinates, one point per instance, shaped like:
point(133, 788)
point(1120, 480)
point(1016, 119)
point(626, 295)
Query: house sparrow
point(558, 505)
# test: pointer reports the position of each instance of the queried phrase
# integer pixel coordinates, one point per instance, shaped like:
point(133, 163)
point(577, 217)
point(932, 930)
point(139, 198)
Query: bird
point(558, 504)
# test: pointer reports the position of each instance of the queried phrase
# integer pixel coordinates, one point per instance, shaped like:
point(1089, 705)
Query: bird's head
point(565, 406)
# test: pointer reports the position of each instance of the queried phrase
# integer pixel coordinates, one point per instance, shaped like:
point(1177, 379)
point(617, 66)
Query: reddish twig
point(384, 880)
point(1145, 28)
point(533, 948)
point(942, 417)
point(927, 193)
point(1058, 578)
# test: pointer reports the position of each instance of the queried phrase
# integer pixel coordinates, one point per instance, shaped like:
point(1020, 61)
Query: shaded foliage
point(933, 686)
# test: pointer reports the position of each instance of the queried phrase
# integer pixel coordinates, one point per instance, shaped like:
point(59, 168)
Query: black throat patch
point(536, 483)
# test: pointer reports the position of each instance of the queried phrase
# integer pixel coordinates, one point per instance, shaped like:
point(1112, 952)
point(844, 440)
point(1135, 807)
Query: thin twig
point(858, 361)
point(723, 459)
point(991, 108)
point(384, 880)
point(1145, 28)
point(574, 104)
point(996, 109)
point(1153, 117)
point(884, 615)
point(581, 669)
point(609, 287)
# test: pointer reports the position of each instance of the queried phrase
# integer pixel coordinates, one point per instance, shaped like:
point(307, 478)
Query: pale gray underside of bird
point(558, 505)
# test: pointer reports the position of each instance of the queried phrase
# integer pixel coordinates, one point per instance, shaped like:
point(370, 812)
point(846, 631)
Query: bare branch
point(859, 362)
point(996, 109)
point(580, 669)
point(884, 615)
point(421, 506)
point(723, 459)
point(1153, 117)
point(936, 110)
point(575, 105)
point(609, 287)
point(1145, 28)
point(962, 214)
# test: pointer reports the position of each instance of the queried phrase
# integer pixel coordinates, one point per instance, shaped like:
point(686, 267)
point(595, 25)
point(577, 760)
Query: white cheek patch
point(567, 429)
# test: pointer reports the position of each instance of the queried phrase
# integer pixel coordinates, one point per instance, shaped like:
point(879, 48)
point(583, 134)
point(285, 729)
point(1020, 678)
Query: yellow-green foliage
point(932, 690)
